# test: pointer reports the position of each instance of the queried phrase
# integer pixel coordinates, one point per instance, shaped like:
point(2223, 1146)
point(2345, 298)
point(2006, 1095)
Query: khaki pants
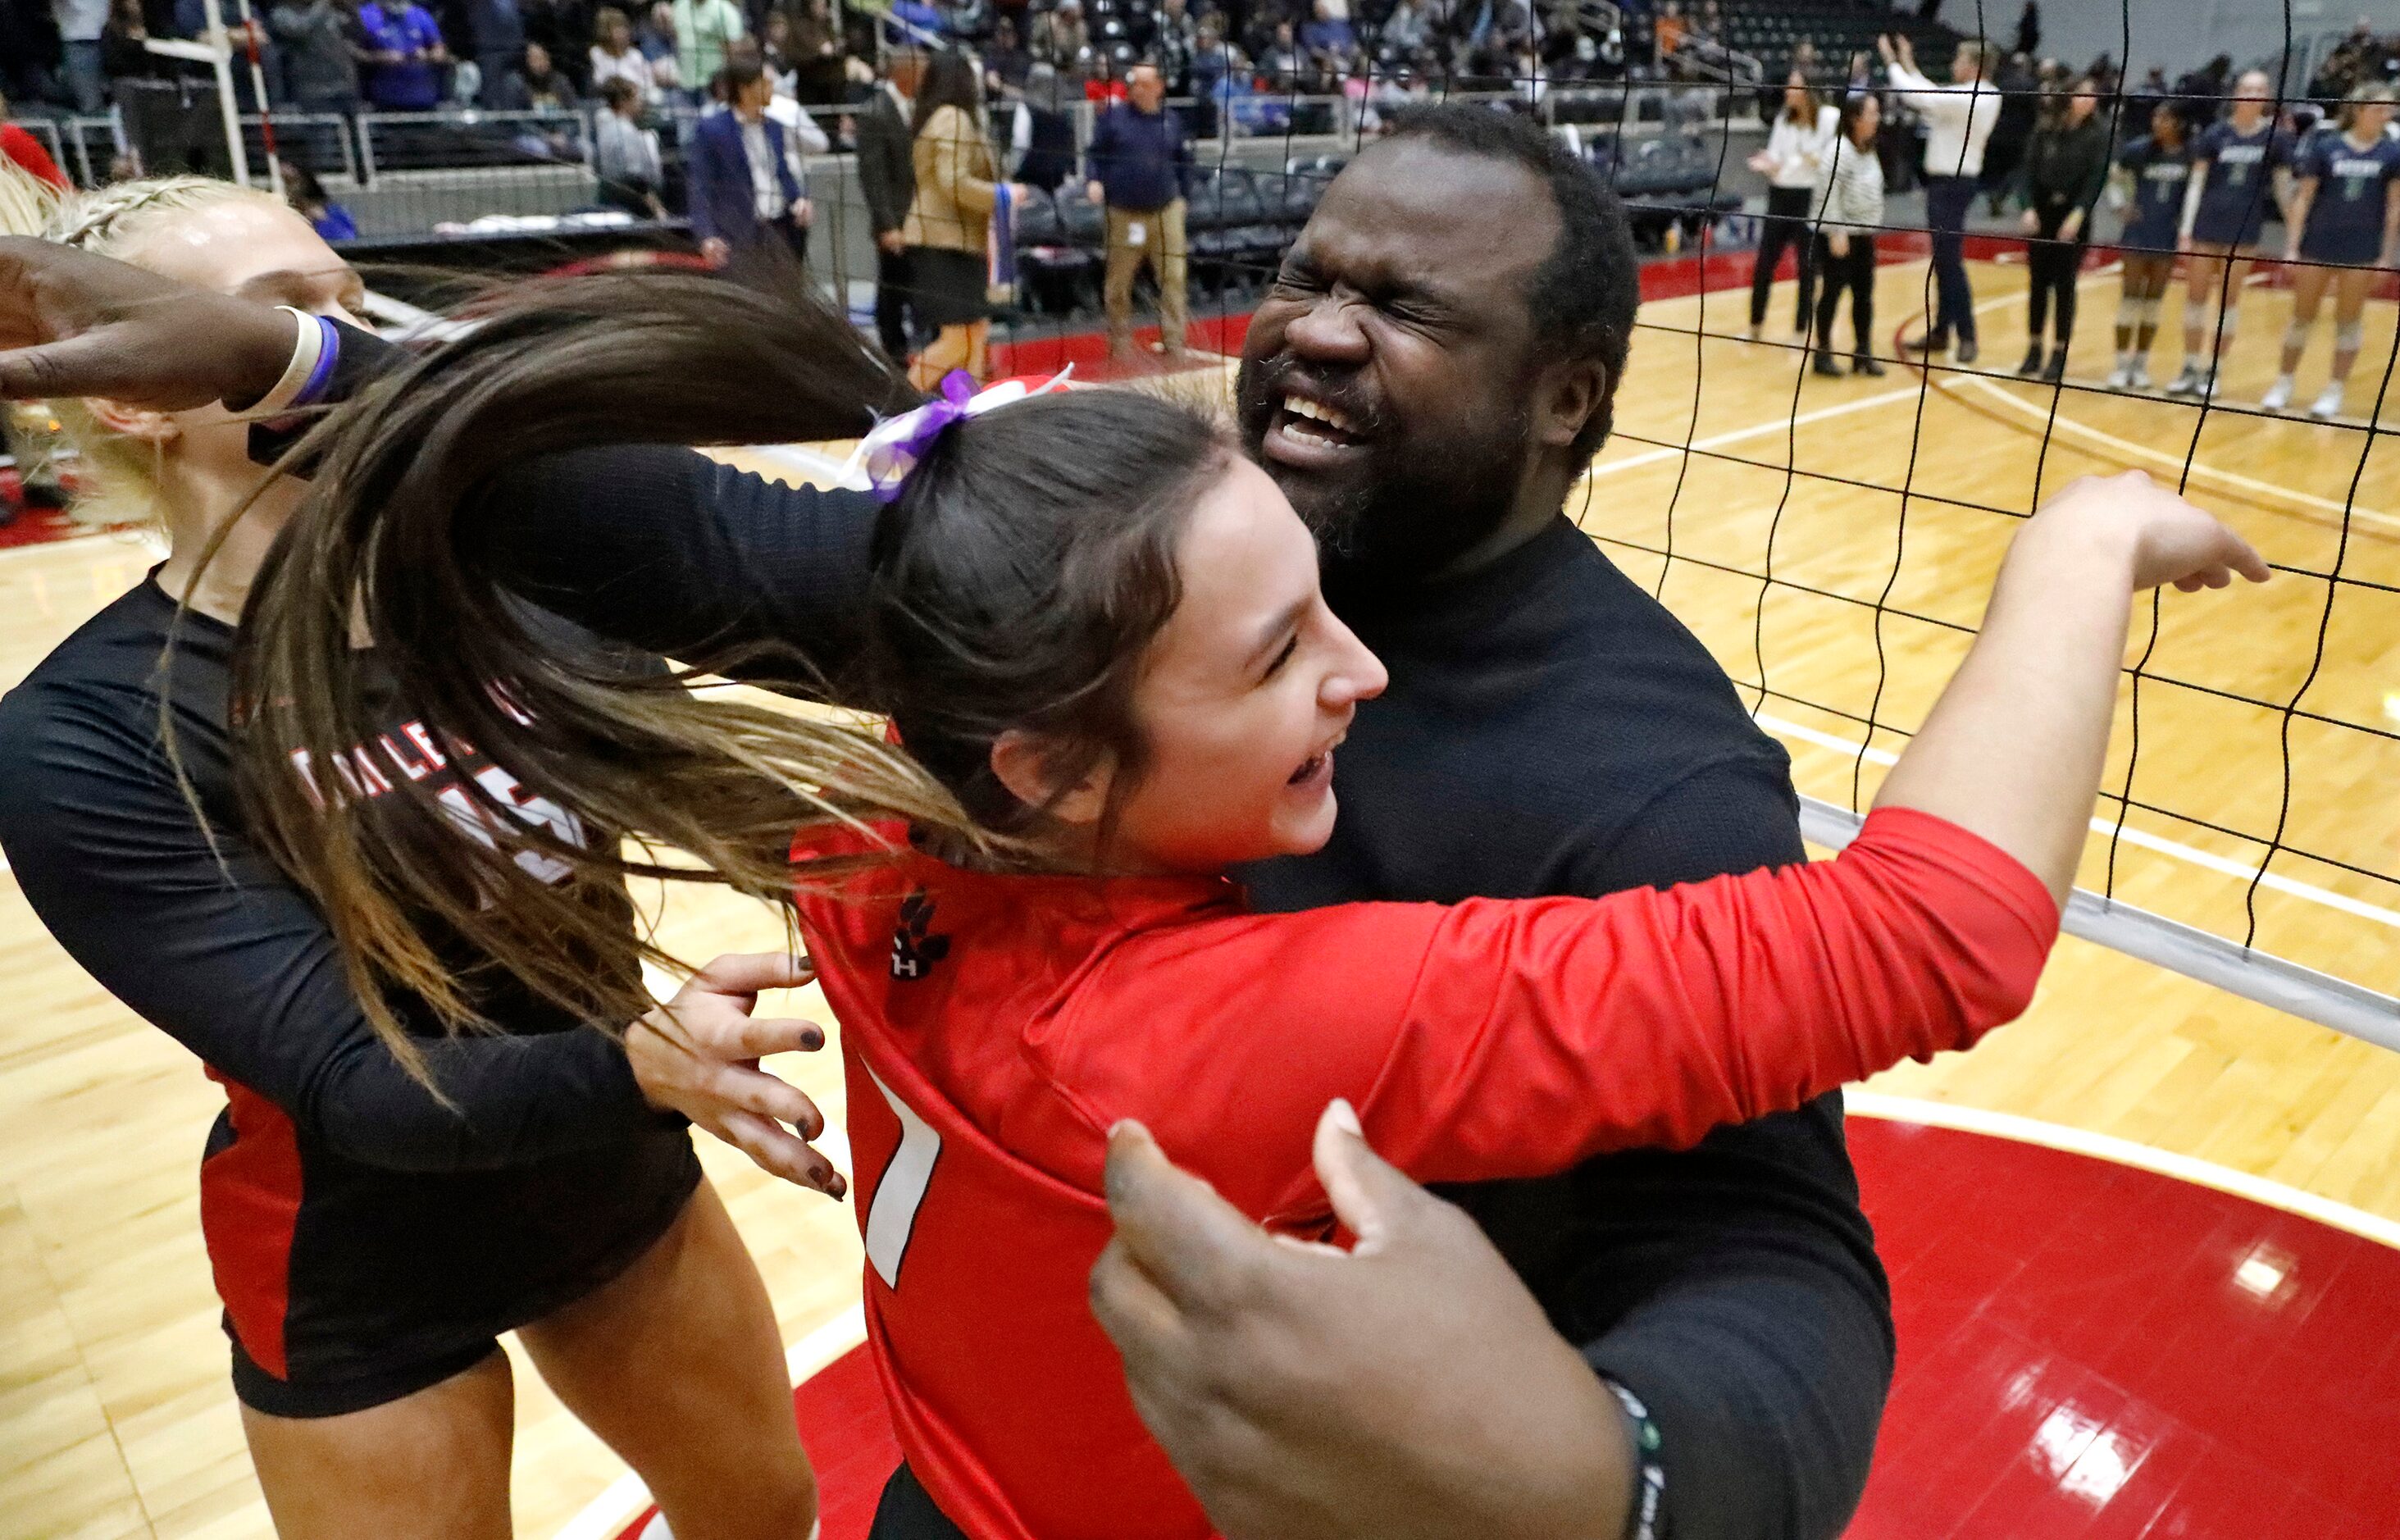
point(1162, 246)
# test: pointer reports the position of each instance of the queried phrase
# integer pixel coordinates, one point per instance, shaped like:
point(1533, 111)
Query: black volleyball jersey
point(354, 1224)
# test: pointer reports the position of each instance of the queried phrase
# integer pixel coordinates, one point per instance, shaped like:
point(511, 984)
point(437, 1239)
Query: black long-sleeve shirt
point(1548, 728)
point(356, 1225)
point(2067, 168)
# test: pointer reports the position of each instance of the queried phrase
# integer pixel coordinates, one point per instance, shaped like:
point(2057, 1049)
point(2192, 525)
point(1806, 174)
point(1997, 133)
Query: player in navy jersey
point(2344, 225)
point(2158, 168)
point(2240, 174)
point(371, 1232)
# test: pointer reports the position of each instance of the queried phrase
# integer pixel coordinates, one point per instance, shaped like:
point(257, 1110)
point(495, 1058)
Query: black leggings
point(2054, 265)
point(1856, 272)
point(1786, 225)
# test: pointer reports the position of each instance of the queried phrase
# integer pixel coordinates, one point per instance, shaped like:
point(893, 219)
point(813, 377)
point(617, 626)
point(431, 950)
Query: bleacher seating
point(1667, 180)
point(1770, 30)
point(1238, 221)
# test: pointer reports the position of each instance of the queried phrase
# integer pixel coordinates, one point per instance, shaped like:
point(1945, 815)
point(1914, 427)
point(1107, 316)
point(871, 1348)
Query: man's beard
point(1413, 504)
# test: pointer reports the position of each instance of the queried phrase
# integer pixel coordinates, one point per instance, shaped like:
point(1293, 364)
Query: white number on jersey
point(900, 1189)
point(472, 816)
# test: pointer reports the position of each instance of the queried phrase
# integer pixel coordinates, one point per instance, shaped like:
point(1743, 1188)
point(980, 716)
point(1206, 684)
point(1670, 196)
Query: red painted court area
point(2088, 1351)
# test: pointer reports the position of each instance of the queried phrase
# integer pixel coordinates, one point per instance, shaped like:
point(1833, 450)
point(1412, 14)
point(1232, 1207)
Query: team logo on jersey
point(915, 948)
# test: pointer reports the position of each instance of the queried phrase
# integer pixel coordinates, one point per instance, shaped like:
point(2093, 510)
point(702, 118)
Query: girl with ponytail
point(1095, 634)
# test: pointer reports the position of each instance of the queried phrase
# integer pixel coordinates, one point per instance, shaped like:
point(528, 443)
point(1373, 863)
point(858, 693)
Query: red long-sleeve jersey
point(995, 1027)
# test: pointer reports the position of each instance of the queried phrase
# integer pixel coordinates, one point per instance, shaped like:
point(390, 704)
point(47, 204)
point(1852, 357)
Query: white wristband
point(306, 349)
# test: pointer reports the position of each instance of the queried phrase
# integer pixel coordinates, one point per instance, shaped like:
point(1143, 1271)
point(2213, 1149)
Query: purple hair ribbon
point(888, 453)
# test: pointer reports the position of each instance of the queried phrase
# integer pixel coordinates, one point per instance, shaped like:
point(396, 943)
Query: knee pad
point(2349, 336)
point(2153, 310)
point(2296, 333)
point(2129, 310)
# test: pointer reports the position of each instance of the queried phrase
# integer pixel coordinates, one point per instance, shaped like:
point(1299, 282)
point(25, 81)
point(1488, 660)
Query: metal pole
point(2304, 992)
point(218, 56)
point(258, 94)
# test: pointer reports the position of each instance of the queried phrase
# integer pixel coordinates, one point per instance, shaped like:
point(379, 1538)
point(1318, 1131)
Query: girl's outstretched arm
point(2013, 749)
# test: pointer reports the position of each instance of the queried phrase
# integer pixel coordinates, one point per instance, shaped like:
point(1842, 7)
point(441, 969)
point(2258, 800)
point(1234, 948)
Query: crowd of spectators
point(341, 56)
point(2362, 57)
point(411, 55)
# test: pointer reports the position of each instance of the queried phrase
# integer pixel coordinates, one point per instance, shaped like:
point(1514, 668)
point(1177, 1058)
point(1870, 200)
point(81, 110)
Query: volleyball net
point(1832, 541)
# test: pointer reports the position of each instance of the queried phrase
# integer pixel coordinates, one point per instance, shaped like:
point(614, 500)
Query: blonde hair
point(120, 480)
point(27, 203)
point(2346, 115)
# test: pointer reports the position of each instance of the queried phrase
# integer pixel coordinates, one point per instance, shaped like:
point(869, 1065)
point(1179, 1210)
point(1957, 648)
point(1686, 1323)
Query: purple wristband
point(328, 354)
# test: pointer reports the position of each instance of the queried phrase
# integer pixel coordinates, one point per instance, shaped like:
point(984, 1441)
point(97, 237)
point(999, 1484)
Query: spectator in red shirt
point(21, 146)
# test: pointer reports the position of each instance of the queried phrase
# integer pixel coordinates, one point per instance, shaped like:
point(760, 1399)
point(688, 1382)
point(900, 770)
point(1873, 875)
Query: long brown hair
point(376, 546)
point(948, 81)
point(1016, 582)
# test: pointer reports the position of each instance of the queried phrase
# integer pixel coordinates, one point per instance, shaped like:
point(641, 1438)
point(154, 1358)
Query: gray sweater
point(317, 63)
point(1850, 188)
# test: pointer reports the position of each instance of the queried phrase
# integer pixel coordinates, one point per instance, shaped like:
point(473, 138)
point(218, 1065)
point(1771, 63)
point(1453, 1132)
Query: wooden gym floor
point(116, 1417)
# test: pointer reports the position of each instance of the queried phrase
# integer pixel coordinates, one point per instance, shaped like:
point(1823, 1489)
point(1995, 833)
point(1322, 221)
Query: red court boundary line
point(1665, 278)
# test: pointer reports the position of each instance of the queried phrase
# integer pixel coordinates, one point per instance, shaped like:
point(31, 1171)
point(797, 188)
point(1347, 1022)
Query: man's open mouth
point(1306, 430)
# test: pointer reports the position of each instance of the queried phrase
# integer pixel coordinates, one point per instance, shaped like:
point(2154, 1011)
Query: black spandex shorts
point(260, 1391)
point(907, 1513)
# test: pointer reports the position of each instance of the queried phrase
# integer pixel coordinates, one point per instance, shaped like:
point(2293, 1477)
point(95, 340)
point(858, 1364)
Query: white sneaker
point(2206, 389)
point(2186, 383)
point(2141, 377)
point(2120, 376)
point(2279, 395)
point(2328, 402)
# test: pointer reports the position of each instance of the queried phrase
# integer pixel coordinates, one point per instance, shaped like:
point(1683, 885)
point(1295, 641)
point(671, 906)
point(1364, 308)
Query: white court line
point(1717, 441)
point(2140, 837)
point(1905, 392)
point(614, 1509)
point(2065, 424)
point(2107, 1147)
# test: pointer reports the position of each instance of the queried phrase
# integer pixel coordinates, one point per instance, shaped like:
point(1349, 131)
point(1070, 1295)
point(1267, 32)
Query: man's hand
point(1096, 193)
point(892, 243)
point(2030, 223)
point(1410, 1387)
point(715, 251)
point(698, 1054)
point(73, 323)
point(2070, 224)
point(804, 212)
